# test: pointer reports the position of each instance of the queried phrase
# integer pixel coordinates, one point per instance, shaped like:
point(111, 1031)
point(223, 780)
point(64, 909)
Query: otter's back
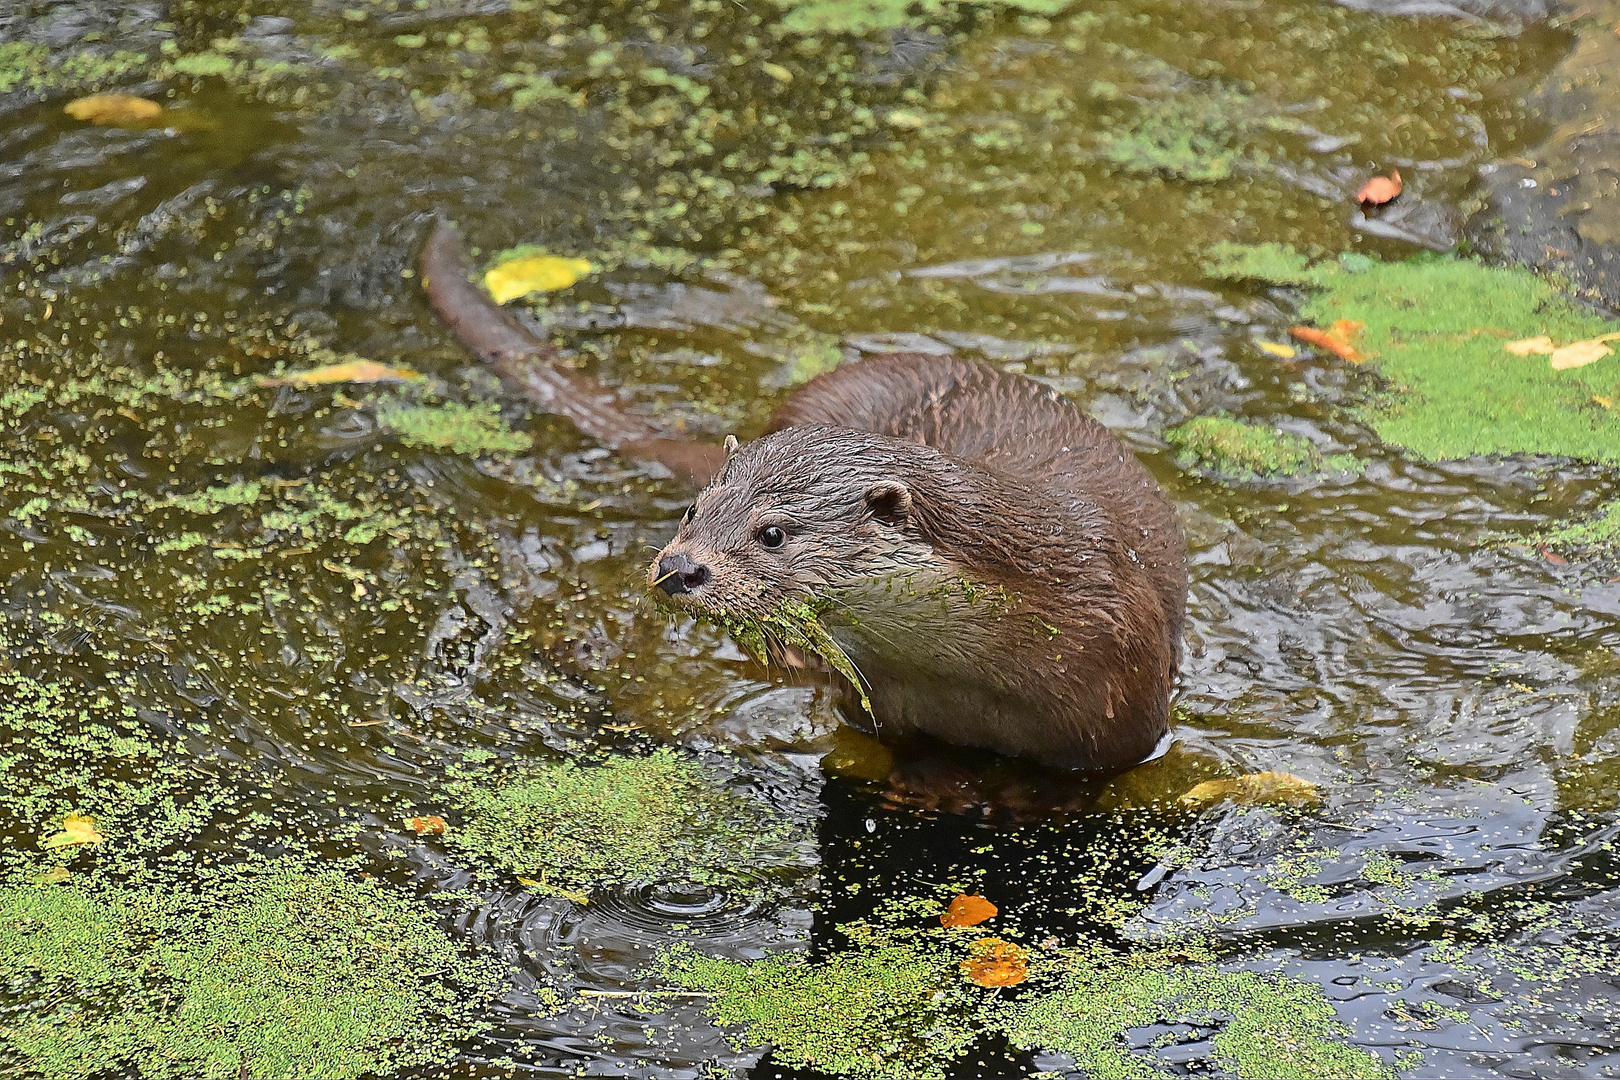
point(1010, 425)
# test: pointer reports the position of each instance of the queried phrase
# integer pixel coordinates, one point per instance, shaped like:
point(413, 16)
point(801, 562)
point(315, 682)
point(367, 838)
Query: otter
point(990, 566)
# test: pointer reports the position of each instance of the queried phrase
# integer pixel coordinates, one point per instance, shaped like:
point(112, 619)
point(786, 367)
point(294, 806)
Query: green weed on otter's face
point(796, 624)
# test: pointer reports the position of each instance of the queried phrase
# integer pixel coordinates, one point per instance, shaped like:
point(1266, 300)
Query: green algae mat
point(1438, 329)
point(338, 736)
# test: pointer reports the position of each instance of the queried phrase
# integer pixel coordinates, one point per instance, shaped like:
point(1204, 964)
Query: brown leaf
point(1334, 341)
point(431, 825)
point(994, 962)
point(114, 110)
point(1540, 345)
point(1269, 788)
point(1380, 189)
point(967, 910)
point(352, 371)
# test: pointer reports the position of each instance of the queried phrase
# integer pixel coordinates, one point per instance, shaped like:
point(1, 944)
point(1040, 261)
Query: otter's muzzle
point(680, 573)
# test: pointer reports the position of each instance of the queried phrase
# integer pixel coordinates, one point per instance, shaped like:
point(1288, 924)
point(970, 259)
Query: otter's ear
point(889, 501)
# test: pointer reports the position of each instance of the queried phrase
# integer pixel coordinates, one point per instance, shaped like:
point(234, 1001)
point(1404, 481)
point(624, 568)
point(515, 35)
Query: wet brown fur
point(999, 568)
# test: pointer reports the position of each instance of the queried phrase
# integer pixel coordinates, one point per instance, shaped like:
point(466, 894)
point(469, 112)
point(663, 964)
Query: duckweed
point(656, 818)
point(460, 429)
point(1256, 1025)
point(1245, 451)
point(1598, 532)
point(1435, 328)
point(886, 1008)
point(295, 972)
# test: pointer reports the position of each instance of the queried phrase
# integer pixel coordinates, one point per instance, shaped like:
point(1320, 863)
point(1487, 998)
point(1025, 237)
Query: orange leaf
point(1380, 189)
point(1333, 340)
point(994, 962)
point(967, 910)
point(432, 825)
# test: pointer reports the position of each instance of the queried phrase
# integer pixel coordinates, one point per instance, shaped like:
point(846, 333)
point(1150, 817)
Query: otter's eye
point(771, 536)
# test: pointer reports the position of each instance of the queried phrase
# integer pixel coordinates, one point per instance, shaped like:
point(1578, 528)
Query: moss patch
point(1243, 451)
point(643, 819)
point(1435, 329)
point(300, 973)
point(1257, 1026)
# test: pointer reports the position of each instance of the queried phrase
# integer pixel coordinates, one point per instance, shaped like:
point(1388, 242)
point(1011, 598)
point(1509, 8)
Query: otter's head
point(800, 514)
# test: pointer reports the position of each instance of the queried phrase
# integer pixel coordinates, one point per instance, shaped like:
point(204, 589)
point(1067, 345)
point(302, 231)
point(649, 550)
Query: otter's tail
point(528, 367)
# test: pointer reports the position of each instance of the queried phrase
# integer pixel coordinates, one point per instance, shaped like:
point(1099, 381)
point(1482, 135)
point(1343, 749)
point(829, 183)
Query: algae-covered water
point(337, 736)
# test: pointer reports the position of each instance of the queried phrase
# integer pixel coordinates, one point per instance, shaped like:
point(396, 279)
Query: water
point(1035, 192)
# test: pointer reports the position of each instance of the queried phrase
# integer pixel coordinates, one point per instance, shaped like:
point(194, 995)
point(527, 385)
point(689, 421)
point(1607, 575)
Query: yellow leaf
point(353, 371)
point(1274, 788)
point(777, 72)
point(52, 876)
point(1287, 352)
point(1606, 402)
point(1579, 354)
point(76, 829)
point(536, 273)
point(1540, 345)
point(114, 110)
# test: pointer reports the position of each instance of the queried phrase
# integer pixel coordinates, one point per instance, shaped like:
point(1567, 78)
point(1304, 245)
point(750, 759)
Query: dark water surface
point(1037, 192)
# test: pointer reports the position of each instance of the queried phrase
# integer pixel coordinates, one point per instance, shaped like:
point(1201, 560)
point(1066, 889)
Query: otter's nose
point(679, 574)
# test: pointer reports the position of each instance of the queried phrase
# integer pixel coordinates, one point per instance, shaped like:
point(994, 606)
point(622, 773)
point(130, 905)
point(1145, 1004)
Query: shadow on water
point(324, 600)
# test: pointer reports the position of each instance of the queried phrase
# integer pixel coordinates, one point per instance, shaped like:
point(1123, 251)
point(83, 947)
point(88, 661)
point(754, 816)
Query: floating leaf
point(53, 876)
point(1539, 345)
point(1380, 189)
point(534, 273)
point(431, 825)
point(1580, 353)
point(76, 829)
point(1287, 352)
point(966, 910)
point(1263, 788)
point(1335, 341)
point(994, 962)
point(352, 371)
point(114, 110)
point(777, 72)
